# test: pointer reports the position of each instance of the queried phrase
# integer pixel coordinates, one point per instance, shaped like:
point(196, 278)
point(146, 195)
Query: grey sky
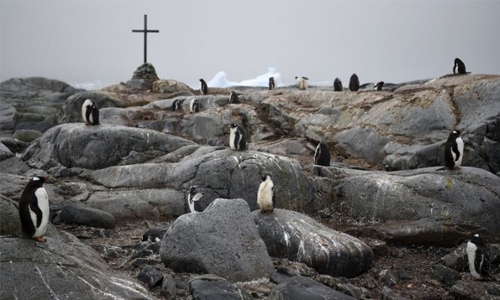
point(395, 41)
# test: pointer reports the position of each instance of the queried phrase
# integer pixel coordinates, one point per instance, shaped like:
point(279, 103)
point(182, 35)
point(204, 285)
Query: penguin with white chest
point(90, 112)
point(453, 150)
point(237, 137)
point(176, 105)
point(302, 82)
point(193, 196)
point(265, 195)
point(477, 256)
point(322, 155)
point(194, 105)
point(379, 86)
point(34, 209)
point(233, 98)
point(272, 85)
point(203, 87)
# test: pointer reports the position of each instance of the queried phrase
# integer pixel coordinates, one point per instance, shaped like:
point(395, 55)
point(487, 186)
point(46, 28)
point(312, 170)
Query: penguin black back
point(29, 203)
point(322, 155)
point(459, 67)
point(233, 97)
point(379, 86)
point(354, 83)
point(337, 85)
point(478, 258)
point(176, 105)
point(271, 83)
point(203, 87)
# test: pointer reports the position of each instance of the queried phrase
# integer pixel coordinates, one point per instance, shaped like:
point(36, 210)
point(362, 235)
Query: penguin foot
point(456, 168)
point(39, 239)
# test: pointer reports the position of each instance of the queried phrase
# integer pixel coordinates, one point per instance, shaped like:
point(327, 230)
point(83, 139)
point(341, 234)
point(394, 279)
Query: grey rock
point(168, 289)
point(62, 266)
point(5, 152)
point(12, 186)
point(445, 275)
point(142, 204)
point(388, 294)
point(80, 215)
point(298, 288)
point(219, 174)
point(151, 276)
point(213, 287)
point(222, 240)
point(27, 135)
point(7, 115)
point(388, 277)
point(71, 111)
point(442, 201)
point(364, 143)
point(457, 260)
point(9, 217)
point(297, 237)
point(474, 290)
point(13, 165)
point(96, 147)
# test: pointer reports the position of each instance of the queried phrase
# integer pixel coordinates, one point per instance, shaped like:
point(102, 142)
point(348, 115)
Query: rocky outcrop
point(297, 237)
point(143, 77)
point(97, 147)
point(7, 115)
point(222, 240)
point(432, 206)
point(221, 174)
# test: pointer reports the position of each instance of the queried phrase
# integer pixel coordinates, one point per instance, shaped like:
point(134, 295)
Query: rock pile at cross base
point(385, 180)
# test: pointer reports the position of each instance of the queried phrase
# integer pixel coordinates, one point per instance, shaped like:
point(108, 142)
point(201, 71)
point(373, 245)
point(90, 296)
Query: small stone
point(388, 294)
point(151, 276)
point(168, 288)
point(388, 277)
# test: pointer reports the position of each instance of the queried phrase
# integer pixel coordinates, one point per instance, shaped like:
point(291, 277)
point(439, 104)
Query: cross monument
point(145, 30)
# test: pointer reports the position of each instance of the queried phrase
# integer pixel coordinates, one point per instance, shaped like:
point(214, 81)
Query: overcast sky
point(395, 41)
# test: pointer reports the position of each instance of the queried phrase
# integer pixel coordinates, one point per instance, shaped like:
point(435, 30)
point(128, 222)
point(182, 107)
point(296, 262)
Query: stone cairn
point(143, 77)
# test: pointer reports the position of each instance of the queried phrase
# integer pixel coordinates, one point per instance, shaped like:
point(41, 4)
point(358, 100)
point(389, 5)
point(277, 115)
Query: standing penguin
point(192, 197)
point(453, 150)
point(322, 155)
point(233, 97)
point(459, 67)
point(203, 87)
point(379, 86)
point(194, 105)
point(337, 85)
point(176, 105)
point(237, 137)
point(477, 255)
point(272, 85)
point(34, 209)
point(265, 195)
point(90, 112)
point(303, 83)
point(354, 83)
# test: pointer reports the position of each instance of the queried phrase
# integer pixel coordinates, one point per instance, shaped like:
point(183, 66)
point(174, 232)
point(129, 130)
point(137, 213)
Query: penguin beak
point(46, 177)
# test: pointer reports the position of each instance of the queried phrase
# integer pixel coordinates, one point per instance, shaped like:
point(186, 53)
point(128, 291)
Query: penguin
point(204, 87)
point(192, 197)
point(459, 67)
point(194, 105)
point(272, 85)
point(176, 105)
point(303, 83)
point(233, 97)
point(379, 86)
point(154, 234)
point(237, 137)
point(354, 83)
point(34, 209)
point(337, 85)
point(477, 256)
point(453, 150)
point(90, 112)
point(265, 195)
point(322, 155)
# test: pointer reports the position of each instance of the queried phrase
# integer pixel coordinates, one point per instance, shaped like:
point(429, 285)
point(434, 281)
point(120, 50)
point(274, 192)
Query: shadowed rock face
point(62, 266)
point(297, 237)
point(222, 240)
point(298, 288)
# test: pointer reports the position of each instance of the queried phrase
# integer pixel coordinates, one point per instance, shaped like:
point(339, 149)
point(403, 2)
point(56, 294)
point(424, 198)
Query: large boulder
point(432, 206)
point(297, 237)
point(7, 114)
point(221, 174)
point(96, 147)
point(222, 240)
point(60, 268)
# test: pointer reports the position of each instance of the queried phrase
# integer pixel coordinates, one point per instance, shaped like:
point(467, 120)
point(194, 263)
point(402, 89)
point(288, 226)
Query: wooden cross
point(145, 30)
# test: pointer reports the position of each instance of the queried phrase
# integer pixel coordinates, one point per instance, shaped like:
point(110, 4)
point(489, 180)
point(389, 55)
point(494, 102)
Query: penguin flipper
point(455, 150)
point(197, 197)
point(38, 212)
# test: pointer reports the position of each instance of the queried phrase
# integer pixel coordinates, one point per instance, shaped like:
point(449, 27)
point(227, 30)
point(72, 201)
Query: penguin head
point(305, 78)
point(455, 133)
point(192, 190)
point(457, 61)
point(476, 239)
point(38, 180)
point(337, 80)
point(234, 125)
point(265, 175)
point(271, 79)
point(201, 80)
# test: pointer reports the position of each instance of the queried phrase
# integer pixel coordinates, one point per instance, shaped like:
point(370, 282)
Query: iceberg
point(220, 80)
